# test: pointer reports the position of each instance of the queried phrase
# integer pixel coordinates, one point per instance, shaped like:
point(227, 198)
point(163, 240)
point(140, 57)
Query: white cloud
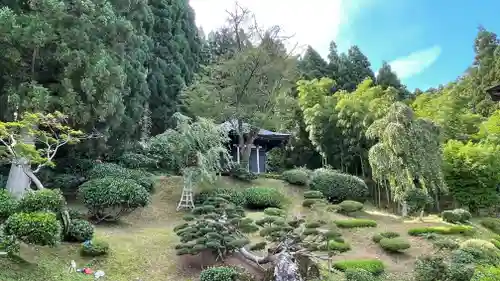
point(312, 22)
point(415, 62)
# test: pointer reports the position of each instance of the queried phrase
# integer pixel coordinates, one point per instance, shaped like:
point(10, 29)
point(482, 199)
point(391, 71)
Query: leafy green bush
point(8, 243)
point(275, 212)
point(313, 194)
point(495, 242)
point(417, 199)
point(8, 205)
point(430, 268)
point(137, 161)
point(241, 173)
point(397, 244)
point(352, 223)
point(456, 229)
point(233, 195)
point(42, 200)
point(460, 272)
point(492, 224)
point(389, 234)
point(445, 243)
point(80, 231)
point(456, 216)
point(337, 187)
point(299, 176)
point(41, 228)
point(103, 170)
point(76, 214)
point(485, 249)
point(373, 266)
point(220, 273)
point(309, 202)
point(263, 197)
point(338, 246)
point(486, 273)
point(358, 274)
point(110, 197)
point(94, 248)
point(349, 206)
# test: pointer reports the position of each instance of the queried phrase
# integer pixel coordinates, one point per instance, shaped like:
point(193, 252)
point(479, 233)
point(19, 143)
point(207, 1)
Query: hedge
point(373, 266)
point(456, 229)
point(352, 223)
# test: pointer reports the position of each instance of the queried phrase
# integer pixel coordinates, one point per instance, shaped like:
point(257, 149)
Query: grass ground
point(142, 243)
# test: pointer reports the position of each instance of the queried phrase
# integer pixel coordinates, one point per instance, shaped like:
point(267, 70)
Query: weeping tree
point(195, 148)
point(407, 155)
point(220, 227)
point(30, 144)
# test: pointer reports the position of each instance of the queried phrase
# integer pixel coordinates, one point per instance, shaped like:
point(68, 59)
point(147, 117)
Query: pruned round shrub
point(389, 234)
point(80, 231)
point(373, 266)
point(8, 205)
point(94, 248)
point(50, 200)
point(481, 249)
point(352, 223)
point(41, 228)
point(299, 176)
point(338, 246)
point(397, 244)
point(430, 268)
point(137, 161)
point(337, 187)
point(103, 170)
point(110, 197)
point(445, 243)
point(233, 195)
point(263, 197)
point(313, 194)
point(358, 274)
point(456, 216)
point(417, 199)
point(220, 273)
point(242, 173)
point(275, 212)
point(349, 206)
point(308, 203)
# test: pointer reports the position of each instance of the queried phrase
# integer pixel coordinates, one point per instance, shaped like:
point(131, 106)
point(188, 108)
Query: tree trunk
point(19, 180)
point(286, 269)
point(404, 209)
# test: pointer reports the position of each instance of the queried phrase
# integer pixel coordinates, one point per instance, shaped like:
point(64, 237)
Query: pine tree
point(312, 65)
point(387, 78)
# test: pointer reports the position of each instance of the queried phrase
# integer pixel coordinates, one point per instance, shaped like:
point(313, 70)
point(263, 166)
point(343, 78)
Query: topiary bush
point(299, 176)
point(492, 224)
point(308, 203)
point(236, 196)
point(137, 161)
point(417, 199)
point(8, 243)
point(94, 248)
point(358, 274)
point(103, 170)
point(337, 187)
point(220, 273)
point(486, 273)
point(242, 173)
point(456, 229)
point(80, 231)
point(42, 200)
point(275, 212)
point(456, 216)
point(353, 223)
point(485, 249)
point(263, 197)
point(8, 205)
point(41, 228)
point(389, 234)
point(338, 246)
point(349, 206)
point(373, 266)
point(444, 243)
point(430, 268)
point(110, 197)
point(395, 245)
point(313, 194)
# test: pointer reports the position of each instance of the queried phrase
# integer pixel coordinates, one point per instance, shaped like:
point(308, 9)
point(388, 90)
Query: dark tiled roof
point(231, 126)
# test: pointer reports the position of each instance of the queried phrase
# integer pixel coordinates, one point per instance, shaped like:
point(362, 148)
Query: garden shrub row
point(349, 206)
point(353, 223)
point(456, 229)
point(258, 198)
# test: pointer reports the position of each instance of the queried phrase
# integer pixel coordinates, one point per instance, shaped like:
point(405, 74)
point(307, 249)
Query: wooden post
point(258, 160)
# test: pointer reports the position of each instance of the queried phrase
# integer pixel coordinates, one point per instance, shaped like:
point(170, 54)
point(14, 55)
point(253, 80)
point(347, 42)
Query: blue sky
point(426, 42)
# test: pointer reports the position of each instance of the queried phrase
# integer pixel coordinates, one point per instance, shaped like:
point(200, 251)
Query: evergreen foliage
point(299, 176)
point(41, 228)
point(337, 187)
